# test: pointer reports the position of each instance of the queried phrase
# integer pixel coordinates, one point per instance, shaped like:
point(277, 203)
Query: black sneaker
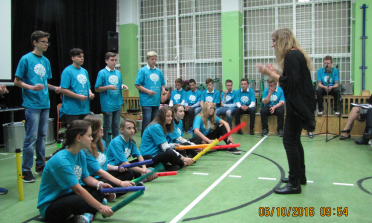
point(280, 132)
point(251, 132)
point(264, 132)
point(234, 151)
point(240, 132)
point(28, 177)
point(310, 134)
point(39, 170)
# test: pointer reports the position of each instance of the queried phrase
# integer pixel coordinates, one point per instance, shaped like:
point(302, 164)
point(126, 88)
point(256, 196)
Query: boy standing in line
point(75, 88)
point(150, 84)
point(31, 75)
point(109, 84)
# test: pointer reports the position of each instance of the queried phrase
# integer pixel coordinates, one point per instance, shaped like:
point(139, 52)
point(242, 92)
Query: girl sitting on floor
point(177, 135)
point(207, 127)
point(154, 142)
point(123, 146)
point(60, 193)
point(96, 158)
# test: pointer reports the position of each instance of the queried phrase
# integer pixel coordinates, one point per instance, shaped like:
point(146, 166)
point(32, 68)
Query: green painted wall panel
point(232, 47)
point(128, 49)
point(357, 24)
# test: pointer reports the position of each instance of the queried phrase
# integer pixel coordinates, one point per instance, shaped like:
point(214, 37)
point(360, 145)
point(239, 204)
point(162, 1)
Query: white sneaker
point(319, 113)
point(84, 218)
point(337, 113)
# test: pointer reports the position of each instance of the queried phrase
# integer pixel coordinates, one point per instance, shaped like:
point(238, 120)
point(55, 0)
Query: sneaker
point(189, 131)
point(310, 134)
point(319, 113)
point(234, 151)
point(280, 132)
point(84, 218)
point(39, 170)
point(337, 113)
point(28, 177)
point(3, 191)
point(251, 132)
point(240, 132)
point(265, 132)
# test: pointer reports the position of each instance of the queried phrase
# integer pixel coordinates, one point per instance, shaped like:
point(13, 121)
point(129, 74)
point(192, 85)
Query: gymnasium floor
point(222, 187)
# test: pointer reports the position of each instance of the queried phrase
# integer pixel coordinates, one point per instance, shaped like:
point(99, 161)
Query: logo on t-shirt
point(113, 79)
point(82, 79)
point(179, 130)
point(209, 99)
point(228, 98)
point(326, 79)
point(127, 152)
point(39, 69)
point(244, 99)
point(78, 171)
point(192, 98)
point(177, 97)
point(154, 77)
point(101, 159)
point(273, 98)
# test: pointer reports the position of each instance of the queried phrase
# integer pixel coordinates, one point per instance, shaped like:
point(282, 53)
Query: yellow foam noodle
point(19, 176)
point(215, 142)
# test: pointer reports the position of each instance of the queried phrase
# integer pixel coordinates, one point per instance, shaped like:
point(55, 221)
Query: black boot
point(292, 187)
point(368, 135)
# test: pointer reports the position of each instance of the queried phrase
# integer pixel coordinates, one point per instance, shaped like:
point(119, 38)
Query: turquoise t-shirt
point(61, 172)
point(230, 98)
point(178, 132)
point(152, 137)
point(245, 97)
point(94, 164)
point(192, 97)
point(151, 79)
point(213, 96)
point(111, 100)
point(276, 97)
point(119, 151)
point(198, 124)
point(178, 96)
point(77, 81)
point(34, 70)
point(323, 76)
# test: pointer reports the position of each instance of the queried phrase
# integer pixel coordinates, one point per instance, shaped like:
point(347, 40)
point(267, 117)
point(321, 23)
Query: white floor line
point(8, 158)
point(309, 181)
point(342, 184)
point(265, 178)
point(201, 173)
point(201, 196)
point(235, 176)
point(4, 154)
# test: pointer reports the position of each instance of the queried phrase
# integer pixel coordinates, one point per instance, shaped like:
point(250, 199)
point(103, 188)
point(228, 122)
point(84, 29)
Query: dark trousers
point(191, 114)
point(148, 114)
point(319, 97)
point(265, 112)
point(168, 156)
point(215, 134)
point(368, 123)
point(124, 176)
point(70, 118)
point(293, 147)
point(252, 113)
point(71, 204)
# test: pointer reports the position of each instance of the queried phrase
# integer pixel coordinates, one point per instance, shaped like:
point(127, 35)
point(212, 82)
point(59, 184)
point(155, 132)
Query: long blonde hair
point(285, 41)
point(204, 114)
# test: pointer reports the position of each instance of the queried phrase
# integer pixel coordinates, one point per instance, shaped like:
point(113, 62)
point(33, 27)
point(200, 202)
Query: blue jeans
point(228, 112)
point(148, 114)
point(111, 120)
point(198, 110)
point(36, 126)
